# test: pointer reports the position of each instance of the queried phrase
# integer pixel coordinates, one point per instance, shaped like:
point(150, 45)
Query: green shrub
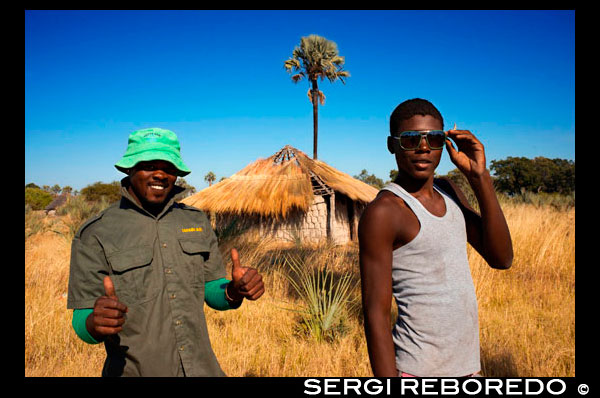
point(79, 211)
point(37, 198)
point(94, 192)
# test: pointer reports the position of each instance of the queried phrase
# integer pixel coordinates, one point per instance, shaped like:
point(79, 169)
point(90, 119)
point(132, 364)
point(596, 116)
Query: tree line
point(512, 176)
point(37, 198)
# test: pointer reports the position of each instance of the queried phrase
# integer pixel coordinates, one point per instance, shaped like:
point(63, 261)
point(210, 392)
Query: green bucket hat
point(152, 144)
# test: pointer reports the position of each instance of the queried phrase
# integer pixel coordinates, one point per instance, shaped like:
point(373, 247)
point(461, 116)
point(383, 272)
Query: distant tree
point(94, 192)
point(37, 198)
point(210, 177)
point(32, 185)
point(556, 175)
point(316, 58)
point(67, 189)
point(370, 179)
point(46, 188)
point(55, 189)
point(515, 175)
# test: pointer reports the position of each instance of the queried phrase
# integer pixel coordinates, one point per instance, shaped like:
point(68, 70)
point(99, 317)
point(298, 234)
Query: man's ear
point(392, 144)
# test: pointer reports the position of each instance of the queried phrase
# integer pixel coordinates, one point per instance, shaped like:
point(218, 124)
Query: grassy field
point(527, 314)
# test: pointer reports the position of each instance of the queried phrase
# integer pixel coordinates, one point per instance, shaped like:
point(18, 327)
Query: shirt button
point(181, 348)
point(173, 295)
point(178, 322)
point(168, 271)
point(164, 245)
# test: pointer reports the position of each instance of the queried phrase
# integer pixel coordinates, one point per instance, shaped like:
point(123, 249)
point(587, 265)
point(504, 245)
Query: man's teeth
point(157, 186)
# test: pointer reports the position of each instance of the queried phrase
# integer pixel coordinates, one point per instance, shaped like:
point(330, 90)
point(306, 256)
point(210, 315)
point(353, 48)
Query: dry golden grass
point(527, 314)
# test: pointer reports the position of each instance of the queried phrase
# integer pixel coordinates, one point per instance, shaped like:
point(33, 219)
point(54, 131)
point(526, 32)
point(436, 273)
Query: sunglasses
point(411, 140)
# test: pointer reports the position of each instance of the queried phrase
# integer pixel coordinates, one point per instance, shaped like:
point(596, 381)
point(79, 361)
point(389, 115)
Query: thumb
point(235, 259)
point(109, 288)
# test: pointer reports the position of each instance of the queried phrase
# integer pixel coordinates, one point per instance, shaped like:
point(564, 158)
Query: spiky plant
point(323, 299)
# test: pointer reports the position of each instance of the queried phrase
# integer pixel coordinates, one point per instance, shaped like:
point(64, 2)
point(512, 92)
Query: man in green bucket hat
point(143, 268)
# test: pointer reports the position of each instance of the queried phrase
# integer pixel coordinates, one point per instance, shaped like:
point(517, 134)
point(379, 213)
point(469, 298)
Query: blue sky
point(216, 79)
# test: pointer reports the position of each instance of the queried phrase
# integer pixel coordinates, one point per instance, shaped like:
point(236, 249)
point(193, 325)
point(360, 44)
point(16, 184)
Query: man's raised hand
point(245, 282)
point(108, 316)
point(469, 157)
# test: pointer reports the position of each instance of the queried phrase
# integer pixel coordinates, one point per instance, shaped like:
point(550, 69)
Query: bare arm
point(488, 233)
point(376, 238)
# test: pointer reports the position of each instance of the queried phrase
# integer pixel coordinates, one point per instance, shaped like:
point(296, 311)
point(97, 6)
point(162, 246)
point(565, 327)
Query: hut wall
point(310, 227)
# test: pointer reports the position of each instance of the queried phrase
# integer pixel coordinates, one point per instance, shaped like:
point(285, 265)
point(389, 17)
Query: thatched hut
point(58, 202)
point(289, 196)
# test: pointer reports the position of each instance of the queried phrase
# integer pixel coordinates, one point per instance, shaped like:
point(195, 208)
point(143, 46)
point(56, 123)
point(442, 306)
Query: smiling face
point(422, 162)
point(152, 182)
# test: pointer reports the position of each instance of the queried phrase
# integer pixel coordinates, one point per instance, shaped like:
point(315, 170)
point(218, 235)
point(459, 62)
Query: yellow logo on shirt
point(198, 229)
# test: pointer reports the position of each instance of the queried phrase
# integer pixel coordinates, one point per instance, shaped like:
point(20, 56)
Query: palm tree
point(316, 58)
point(210, 177)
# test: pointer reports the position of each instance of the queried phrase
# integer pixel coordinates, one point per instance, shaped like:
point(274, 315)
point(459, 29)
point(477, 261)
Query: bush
point(94, 193)
point(79, 211)
point(37, 198)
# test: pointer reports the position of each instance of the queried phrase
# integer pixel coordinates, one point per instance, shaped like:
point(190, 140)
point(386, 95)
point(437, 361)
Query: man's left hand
point(246, 282)
point(470, 156)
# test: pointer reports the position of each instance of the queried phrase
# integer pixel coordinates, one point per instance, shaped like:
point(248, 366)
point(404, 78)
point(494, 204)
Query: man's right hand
point(108, 316)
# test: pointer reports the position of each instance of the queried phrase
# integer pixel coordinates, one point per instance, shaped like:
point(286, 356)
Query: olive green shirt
point(158, 266)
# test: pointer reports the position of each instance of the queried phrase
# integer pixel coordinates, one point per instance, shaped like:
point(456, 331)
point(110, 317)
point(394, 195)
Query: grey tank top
point(437, 330)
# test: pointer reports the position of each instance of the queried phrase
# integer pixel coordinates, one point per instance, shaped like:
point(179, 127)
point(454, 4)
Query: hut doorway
point(351, 221)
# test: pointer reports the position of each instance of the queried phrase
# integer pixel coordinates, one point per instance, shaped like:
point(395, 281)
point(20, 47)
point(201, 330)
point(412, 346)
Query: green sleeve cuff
point(214, 295)
point(79, 318)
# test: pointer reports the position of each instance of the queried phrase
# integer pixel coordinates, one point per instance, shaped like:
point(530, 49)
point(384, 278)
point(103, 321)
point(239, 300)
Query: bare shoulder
point(384, 216)
point(385, 205)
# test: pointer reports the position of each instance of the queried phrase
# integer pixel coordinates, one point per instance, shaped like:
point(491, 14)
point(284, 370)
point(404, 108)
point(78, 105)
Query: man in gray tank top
point(413, 247)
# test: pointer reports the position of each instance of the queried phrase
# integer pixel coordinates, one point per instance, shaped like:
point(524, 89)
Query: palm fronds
point(316, 58)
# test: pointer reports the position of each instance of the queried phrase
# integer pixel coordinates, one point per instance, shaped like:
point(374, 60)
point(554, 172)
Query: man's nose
point(423, 145)
point(159, 173)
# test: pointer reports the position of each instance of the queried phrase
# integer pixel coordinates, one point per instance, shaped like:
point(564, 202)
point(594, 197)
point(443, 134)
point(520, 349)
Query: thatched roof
point(57, 202)
point(276, 185)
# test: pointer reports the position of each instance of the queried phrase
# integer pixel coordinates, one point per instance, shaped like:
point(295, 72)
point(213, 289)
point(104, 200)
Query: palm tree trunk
point(315, 103)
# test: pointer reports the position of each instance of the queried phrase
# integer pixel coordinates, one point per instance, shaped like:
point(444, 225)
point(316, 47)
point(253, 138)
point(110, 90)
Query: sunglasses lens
point(436, 139)
point(410, 139)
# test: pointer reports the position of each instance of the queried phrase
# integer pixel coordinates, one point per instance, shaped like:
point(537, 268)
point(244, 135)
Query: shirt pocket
point(195, 253)
point(133, 274)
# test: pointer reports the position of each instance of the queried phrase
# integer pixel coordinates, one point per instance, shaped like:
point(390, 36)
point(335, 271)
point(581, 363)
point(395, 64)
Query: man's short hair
point(410, 108)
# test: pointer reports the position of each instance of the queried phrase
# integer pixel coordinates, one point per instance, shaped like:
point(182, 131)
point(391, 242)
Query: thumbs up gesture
point(246, 282)
point(108, 316)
